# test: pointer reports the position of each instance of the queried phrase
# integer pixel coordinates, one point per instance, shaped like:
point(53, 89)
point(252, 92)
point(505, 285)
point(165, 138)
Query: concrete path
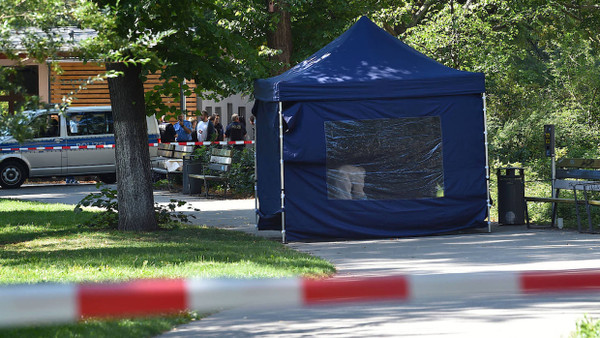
point(513, 248)
point(506, 249)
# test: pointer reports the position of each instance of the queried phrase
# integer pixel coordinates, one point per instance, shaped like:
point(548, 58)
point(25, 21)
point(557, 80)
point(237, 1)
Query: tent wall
point(380, 141)
point(311, 213)
point(268, 165)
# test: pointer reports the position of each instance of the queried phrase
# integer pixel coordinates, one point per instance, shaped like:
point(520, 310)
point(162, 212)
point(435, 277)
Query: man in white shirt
point(202, 127)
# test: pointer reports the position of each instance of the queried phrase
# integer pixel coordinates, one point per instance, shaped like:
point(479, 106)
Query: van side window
point(74, 124)
point(47, 125)
point(90, 123)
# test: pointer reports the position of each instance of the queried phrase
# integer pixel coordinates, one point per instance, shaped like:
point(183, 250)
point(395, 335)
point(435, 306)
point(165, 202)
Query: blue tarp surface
point(380, 141)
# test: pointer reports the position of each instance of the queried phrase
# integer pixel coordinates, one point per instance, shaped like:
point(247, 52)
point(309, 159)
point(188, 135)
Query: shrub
point(240, 177)
point(106, 199)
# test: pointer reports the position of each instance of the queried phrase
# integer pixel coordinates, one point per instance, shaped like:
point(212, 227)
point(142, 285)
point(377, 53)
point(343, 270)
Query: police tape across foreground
point(63, 303)
point(103, 146)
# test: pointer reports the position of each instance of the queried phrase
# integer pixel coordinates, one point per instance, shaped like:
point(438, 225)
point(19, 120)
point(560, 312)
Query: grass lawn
point(44, 243)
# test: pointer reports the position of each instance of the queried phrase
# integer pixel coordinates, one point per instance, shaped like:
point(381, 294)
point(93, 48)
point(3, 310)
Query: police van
point(79, 141)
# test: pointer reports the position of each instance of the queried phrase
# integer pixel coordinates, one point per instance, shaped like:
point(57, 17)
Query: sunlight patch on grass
point(46, 243)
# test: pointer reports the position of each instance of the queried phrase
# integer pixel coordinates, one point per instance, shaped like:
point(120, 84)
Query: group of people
point(205, 128)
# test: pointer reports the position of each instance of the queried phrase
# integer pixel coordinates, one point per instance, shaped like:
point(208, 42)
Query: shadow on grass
point(53, 241)
point(27, 225)
point(155, 250)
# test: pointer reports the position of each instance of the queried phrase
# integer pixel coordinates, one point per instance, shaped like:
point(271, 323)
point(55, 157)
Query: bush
point(240, 177)
point(587, 328)
point(106, 199)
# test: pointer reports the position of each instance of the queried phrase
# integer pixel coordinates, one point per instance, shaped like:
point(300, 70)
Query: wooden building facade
point(53, 87)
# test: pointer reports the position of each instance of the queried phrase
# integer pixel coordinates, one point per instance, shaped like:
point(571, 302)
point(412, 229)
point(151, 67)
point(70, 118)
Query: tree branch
point(416, 18)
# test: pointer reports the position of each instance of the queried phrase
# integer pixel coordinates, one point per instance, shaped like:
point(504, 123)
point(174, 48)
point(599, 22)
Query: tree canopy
point(540, 57)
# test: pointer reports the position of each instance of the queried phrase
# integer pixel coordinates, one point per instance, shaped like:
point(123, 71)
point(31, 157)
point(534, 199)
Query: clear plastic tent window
point(385, 159)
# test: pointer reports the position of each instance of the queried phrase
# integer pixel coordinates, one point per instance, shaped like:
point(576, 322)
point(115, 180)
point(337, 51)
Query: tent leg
point(283, 238)
point(255, 186)
point(487, 164)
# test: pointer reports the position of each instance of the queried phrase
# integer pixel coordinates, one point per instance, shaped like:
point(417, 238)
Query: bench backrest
point(165, 149)
point(571, 171)
point(578, 168)
point(174, 150)
point(220, 160)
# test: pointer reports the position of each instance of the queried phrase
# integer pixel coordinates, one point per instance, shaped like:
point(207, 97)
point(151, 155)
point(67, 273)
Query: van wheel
point(108, 178)
point(12, 174)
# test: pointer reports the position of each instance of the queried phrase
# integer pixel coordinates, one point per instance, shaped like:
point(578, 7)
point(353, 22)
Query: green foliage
point(542, 66)
point(241, 175)
point(106, 199)
point(203, 153)
point(587, 328)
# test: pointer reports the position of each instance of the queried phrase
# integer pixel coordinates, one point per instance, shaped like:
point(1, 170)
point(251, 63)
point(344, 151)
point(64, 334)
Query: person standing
point(218, 128)
point(253, 125)
point(183, 128)
point(212, 131)
point(167, 131)
point(194, 130)
point(202, 129)
point(235, 131)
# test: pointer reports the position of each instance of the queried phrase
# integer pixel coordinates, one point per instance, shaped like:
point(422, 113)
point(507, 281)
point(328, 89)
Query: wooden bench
point(170, 160)
point(216, 169)
point(577, 175)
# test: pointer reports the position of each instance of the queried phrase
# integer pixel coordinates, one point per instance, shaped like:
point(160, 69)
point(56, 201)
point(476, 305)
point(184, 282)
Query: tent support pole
point(255, 185)
point(487, 164)
point(283, 239)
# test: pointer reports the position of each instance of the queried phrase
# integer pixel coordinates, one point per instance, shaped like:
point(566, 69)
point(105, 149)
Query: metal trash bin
point(511, 196)
point(191, 166)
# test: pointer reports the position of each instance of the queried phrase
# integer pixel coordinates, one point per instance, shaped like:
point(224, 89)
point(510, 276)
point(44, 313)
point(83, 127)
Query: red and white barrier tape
point(62, 303)
point(96, 146)
point(107, 146)
point(207, 143)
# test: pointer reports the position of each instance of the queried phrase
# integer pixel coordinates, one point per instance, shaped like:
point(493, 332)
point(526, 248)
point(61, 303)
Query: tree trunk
point(281, 37)
point(134, 178)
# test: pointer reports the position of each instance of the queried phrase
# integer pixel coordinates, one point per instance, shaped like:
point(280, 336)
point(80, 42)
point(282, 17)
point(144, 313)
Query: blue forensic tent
point(378, 141)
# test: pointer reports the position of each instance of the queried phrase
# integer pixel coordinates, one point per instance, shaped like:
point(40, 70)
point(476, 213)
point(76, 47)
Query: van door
point(46, 159)
point(89, 129)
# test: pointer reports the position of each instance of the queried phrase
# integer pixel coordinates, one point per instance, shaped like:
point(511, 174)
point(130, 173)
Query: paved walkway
point(512, 248)
point(506, 249)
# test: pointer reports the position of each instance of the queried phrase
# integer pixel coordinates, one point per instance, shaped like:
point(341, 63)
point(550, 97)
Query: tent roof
point(366, 62)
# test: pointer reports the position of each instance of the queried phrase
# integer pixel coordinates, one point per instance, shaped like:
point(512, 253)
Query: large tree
point(183, 40)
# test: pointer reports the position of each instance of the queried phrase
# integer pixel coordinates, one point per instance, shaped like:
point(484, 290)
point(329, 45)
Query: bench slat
point(579, 185)
point(578, 163)
point(166, 146)
point(164, 152)
point(206, 177)
point(552, 200)
point(560, 200)
point(221, 152)
point(218, 167)
point(220, 159)
point(181, 154)
point(578, 173)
